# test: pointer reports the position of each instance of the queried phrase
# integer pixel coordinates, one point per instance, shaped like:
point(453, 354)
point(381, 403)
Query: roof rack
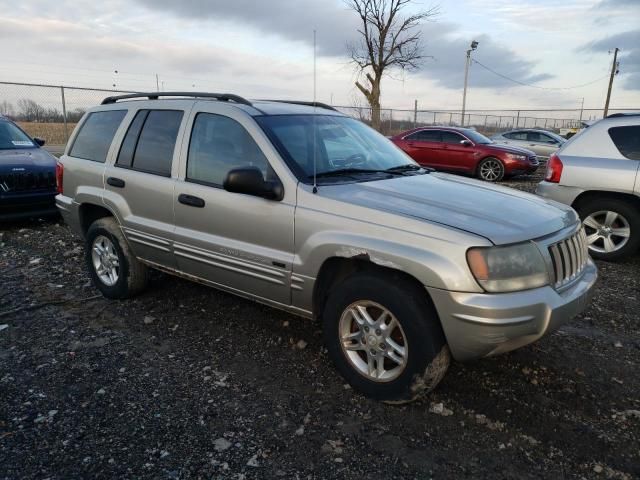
point(631, 114)
point(223, 97)
point(308, 104)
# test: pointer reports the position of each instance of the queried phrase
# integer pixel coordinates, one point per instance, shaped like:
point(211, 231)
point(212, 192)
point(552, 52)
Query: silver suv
point(596, 172)
point(307, 210)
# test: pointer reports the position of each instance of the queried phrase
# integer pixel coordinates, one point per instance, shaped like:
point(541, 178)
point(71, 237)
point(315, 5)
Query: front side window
point(96, 134)
point(12, 138)
point(451, 137)
point(627, 140)
point(150, 141)
point(220, 144)
point(334, 143)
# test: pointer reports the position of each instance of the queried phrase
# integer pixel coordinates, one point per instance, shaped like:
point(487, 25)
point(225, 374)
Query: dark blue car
point(27, 174)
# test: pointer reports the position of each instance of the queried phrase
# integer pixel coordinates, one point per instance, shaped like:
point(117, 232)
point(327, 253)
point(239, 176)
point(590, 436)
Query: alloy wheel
point(607, 231)
point(105, 260)
point(373, 341)
point(491, 170)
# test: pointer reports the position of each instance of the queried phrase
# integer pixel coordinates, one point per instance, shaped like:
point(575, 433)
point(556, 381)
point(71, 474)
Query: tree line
point(28, 110)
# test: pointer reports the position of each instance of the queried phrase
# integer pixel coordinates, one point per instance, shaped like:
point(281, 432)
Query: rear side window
point(627, 140)
point(516, 135)
point(150, 141)
point(96, 134)
point(219, 144)
point(425, 136)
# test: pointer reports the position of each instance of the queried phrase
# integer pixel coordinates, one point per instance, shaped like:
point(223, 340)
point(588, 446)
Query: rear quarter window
point(96, 134)
point(627, 140)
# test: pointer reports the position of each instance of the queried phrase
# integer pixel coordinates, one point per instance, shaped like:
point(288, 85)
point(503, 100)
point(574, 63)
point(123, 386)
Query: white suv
point(596, 172)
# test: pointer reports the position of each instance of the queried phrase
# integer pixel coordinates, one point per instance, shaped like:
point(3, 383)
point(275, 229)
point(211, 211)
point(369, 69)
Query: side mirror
point(249, 181)
point(39, 141)
point(466, 143)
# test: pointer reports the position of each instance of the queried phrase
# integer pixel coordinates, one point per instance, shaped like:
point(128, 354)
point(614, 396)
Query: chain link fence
point(51, 112)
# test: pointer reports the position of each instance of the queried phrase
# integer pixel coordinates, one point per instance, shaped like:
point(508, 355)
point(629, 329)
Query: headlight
point(508, 269)
point(519, 158)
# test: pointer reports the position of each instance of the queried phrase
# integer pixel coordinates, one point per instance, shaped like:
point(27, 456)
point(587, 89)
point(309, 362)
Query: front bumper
point(478, 325)
point(20, 205)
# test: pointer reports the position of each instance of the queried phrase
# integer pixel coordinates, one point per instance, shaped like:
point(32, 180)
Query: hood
point(29, 159)
point(510, 149)
point(500, 214)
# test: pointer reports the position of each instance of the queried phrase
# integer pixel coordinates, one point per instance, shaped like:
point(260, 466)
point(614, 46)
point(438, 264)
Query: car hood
point(29, 159)
point(509, 149)
point(500, 214)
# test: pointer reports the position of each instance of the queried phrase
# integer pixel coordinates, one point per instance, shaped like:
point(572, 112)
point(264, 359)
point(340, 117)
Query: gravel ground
point(188, 382)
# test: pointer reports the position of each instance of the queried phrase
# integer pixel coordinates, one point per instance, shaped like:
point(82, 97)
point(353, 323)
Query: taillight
point(59, 176)
point(554, 169)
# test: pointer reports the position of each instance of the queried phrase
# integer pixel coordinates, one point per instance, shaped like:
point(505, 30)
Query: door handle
point(191, 200)
point(115, 182)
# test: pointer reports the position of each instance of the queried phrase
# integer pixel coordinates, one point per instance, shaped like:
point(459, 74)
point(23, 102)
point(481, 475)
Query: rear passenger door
point(425, 147)
point(140, 183)
point(241, 242)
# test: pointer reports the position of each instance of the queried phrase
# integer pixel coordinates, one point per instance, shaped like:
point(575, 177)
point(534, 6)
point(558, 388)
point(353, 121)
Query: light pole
point(474, 45)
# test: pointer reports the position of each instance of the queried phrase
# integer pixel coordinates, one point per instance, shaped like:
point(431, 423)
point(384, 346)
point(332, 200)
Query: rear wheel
point(612, 227)
point(115, 271)
point(384, 336)
point(490, 169)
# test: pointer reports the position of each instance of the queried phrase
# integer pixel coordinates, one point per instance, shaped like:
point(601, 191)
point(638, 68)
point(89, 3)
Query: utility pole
point(474, 45)
point(614, 68)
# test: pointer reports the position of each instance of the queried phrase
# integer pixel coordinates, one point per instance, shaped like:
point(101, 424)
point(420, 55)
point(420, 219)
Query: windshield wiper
point(352, 171)
point(408, 167)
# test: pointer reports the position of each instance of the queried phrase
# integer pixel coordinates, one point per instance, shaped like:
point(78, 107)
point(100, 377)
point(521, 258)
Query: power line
point(537, 86)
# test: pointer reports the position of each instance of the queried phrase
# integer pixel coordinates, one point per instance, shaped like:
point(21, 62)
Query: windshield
point(476, 137)
point(11, 137)
point(340, 143)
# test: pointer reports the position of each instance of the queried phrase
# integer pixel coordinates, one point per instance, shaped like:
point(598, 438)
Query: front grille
point(569, 257)
point(533, 160)
point(25, 181)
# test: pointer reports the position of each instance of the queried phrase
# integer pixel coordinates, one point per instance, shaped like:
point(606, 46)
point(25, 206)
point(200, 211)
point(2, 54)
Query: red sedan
point(465, 151)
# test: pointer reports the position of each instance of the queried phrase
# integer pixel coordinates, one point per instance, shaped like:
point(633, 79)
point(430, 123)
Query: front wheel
point(490, 170)
point(384, 336)
point(612, 227)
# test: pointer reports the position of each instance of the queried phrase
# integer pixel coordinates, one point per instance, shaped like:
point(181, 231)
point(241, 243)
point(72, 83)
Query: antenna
point(315, 149)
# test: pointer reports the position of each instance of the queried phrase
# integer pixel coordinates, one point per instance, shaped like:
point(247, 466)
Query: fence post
point(450, 118)
point(485, 122)
point(390, 120)
point(499, 122)
point(415, 113)
point(518, 119)
point(64, 114)
point(434, 118)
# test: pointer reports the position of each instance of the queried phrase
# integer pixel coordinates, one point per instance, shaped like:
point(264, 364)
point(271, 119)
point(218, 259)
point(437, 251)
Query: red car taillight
point(59, 176)
point(554, 169)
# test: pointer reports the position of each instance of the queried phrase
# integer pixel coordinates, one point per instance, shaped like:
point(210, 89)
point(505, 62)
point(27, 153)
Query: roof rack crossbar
point(308, 104)
point(223, 97)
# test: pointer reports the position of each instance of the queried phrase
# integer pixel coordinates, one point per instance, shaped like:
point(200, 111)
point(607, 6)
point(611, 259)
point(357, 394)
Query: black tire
point(631, 215)
point(485, 162)
point(427, 358)
point(132, 275)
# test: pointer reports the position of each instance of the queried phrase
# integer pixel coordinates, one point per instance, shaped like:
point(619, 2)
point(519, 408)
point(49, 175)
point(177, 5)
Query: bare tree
point(388, 40)
point(30, 110)
point(6, 108)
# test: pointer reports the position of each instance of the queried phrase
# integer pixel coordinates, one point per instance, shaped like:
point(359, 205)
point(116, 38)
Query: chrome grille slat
point(569, 257)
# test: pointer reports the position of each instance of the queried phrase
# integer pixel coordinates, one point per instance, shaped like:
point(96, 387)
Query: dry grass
point(52, 133)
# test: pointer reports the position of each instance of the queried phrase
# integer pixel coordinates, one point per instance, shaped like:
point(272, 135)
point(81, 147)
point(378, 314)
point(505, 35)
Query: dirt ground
point(188, 382)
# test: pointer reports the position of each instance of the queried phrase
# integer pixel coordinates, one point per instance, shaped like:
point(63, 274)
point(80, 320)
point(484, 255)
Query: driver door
point(240, 242)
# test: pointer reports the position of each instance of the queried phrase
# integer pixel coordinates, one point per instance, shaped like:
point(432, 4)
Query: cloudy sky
point(264, 49)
